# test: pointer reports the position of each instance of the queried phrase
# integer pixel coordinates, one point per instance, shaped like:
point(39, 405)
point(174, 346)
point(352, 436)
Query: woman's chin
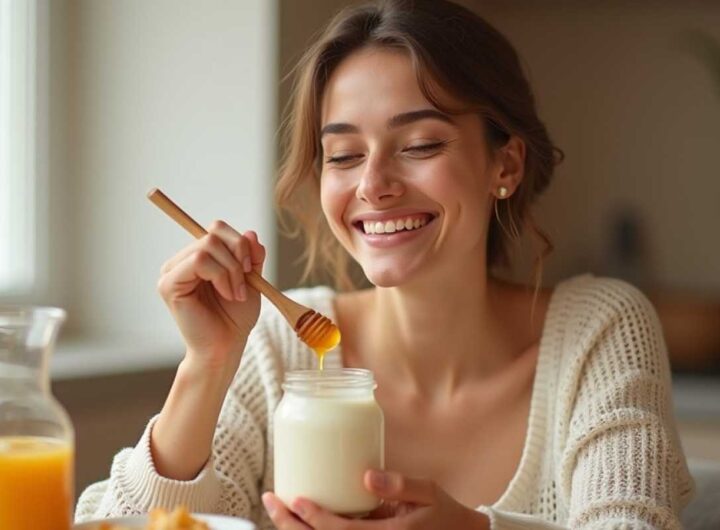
point(387, 276)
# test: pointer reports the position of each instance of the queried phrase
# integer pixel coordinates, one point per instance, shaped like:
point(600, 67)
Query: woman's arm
point(230, 474)
point(181, 439)
point(622, 463)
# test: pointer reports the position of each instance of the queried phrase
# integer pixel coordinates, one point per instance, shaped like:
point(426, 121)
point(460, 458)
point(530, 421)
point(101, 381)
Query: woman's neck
point(436, 335)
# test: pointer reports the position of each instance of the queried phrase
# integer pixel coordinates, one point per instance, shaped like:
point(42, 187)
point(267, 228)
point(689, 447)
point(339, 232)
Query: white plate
point(216, 522)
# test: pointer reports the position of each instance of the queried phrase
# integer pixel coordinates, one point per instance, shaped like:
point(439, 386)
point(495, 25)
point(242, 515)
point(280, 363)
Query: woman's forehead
point(372, 81)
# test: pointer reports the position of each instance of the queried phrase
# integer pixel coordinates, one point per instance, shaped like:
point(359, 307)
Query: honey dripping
point(326, 343)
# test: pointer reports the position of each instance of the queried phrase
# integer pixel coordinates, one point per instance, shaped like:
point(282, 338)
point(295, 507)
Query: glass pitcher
point(36, 436)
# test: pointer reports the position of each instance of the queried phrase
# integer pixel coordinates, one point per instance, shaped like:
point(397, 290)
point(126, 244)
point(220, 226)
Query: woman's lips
point(396, 237)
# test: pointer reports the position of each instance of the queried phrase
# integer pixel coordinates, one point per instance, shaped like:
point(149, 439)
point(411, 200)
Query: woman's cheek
point(447, 179)
point(334, 197)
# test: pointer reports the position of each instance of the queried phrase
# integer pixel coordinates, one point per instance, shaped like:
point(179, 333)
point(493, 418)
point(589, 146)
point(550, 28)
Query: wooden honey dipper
point(314, 329)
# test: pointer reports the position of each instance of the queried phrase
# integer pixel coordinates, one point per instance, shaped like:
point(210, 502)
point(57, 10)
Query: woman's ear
point(511, 161)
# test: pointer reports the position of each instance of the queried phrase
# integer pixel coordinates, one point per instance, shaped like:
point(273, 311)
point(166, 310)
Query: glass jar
point(329, 431)
point(36, 436)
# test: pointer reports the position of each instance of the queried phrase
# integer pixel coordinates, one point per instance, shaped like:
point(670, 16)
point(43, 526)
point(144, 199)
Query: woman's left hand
point(407, 504)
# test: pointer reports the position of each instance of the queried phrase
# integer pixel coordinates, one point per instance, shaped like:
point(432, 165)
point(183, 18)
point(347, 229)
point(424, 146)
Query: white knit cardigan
point(601, 449)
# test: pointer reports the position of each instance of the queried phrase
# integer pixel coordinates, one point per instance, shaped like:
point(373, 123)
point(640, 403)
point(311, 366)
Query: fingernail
point(299, 509)
point(242, 293)
point(269, 505)
point(378, 479)
point(247, 264)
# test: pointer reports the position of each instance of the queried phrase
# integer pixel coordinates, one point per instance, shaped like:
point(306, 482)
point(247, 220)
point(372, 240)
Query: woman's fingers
point(246, 249)
point(283, 518)
point(393, 486)
point(237, 253)
point(199, 266)
point(257, 251)
point(217, 246)
point(177, 258)
point(237, 247)
point(320, 519)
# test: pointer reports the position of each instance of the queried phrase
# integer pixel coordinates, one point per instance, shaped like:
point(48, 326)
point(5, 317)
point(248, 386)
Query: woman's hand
point(205, 276)
point(407, 504)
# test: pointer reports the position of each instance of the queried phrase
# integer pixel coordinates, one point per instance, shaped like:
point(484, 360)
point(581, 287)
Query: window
point(18, 155)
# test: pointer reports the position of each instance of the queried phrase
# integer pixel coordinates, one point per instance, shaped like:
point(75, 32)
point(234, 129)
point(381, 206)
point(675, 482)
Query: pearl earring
point(502, 192)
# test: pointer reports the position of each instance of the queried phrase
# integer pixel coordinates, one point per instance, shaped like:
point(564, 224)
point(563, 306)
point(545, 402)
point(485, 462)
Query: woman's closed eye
point(425, 150)
point(345, 159)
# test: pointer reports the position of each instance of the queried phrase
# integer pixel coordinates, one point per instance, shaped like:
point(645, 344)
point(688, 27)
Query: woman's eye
point(417, 151)
point(424, 150)
point(341, 159)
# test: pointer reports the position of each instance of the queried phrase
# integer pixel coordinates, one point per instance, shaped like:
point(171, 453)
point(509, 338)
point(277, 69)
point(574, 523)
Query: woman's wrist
point(194, 370)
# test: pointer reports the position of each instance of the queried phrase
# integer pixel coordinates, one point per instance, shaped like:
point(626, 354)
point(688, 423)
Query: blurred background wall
point(631, 93)
point(148, 94)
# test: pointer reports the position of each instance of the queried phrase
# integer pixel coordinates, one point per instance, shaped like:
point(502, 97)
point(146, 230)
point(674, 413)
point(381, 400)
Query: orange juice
point(36, 483)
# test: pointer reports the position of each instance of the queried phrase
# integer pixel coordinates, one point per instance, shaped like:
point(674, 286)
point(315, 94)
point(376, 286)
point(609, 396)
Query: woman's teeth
point(390, 227)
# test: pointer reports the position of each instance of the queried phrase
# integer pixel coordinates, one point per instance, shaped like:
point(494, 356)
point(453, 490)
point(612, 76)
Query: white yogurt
point(329, 430)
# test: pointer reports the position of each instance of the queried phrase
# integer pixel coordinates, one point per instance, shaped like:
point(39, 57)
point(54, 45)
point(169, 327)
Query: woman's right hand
point(205, 276)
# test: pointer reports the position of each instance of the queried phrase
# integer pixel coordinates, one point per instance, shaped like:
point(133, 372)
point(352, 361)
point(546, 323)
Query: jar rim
point(330, 379)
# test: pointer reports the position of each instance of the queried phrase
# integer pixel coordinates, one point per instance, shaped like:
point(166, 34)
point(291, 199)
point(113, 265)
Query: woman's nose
point(377, 185)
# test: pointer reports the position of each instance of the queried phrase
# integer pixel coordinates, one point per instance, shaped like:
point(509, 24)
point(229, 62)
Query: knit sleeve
point(622, 465)
point(618, 461)
point(505, 520)
point(231, 481)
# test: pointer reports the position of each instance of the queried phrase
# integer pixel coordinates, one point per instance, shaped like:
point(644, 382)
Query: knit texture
point(601, 449)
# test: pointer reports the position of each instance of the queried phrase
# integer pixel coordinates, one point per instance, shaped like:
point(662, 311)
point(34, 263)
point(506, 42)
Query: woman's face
point(405, 188)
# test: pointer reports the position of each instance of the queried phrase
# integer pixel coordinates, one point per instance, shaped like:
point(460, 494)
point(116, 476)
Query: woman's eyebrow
point(416, 115)
point(338, 128)
point(398, 120)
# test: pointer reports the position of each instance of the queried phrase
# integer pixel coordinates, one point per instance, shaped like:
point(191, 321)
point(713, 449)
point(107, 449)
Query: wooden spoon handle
point(290, 309)
point(164, 202)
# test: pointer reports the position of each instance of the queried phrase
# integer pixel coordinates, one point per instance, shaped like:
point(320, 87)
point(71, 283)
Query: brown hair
point(450, 47)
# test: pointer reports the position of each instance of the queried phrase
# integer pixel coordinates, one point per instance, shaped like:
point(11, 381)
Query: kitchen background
point(188, 96)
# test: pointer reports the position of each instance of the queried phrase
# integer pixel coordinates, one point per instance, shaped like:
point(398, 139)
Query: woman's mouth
point(390, 231)
point(394, 225)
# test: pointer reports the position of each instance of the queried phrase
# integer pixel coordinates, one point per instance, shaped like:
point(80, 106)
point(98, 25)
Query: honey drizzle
point(330, 341)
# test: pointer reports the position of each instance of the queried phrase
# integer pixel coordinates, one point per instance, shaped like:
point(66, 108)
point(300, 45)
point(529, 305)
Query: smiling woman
point(416, 151)
point(382, 166)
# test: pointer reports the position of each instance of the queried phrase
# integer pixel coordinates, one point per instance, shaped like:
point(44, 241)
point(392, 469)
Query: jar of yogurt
point(329, 430)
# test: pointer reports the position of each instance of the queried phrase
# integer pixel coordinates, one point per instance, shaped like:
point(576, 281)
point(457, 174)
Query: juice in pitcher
point(36, 483)
point(36, 435)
